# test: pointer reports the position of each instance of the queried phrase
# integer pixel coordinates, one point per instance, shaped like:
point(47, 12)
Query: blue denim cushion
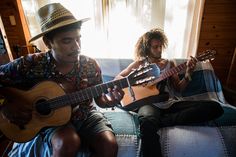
point(123, 123)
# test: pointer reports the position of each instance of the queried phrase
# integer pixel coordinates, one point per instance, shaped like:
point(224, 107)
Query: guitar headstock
point(207, 55)
point(144, 74)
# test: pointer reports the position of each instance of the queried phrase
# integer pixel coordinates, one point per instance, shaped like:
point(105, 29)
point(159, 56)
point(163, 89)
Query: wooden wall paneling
point(219, 35)
point(23, 21)
point(214, 43)
point(223, 55)
point(218, 32)
point(17, 34)
point(221, 62)
point(220, 8)
point(9, 9)
point(212, 2)
point(220, 19)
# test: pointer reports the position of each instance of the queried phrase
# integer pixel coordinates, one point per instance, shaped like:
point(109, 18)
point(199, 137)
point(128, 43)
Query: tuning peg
point(146, 64)
point(212, 59)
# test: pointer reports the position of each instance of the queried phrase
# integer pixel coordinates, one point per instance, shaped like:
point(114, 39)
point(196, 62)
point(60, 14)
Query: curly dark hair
point(142, 47)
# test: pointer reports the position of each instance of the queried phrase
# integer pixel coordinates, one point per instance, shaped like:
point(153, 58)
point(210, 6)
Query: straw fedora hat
point(53, 16)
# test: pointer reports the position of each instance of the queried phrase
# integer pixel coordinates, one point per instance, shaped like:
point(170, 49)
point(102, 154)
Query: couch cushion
point(123, 123)
point(192, 141)
point(210, 139)
point(228, 118)
point(229, 138)
point(205, 85)
point(126, 128)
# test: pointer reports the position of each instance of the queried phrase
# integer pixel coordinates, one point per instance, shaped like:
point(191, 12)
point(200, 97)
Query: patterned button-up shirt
point(25, 72)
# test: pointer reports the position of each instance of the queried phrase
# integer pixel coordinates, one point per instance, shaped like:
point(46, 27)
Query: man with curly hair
point(153, 116)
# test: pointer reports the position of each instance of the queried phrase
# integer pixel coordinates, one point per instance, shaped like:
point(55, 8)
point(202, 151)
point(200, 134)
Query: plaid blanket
point(212, 139)
point(204, 85)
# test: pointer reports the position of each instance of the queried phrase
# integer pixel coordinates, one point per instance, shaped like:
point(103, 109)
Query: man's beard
point(75, 53)
point(155, 56)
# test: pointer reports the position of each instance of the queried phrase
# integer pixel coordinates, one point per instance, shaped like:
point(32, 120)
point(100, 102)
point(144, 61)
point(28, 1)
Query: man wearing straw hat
point(63, 64)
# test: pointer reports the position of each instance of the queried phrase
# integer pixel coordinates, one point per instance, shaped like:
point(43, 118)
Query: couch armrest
point(230, 95)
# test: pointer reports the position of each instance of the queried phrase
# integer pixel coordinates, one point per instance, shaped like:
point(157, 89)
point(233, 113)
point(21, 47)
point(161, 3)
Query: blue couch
point(212, 139)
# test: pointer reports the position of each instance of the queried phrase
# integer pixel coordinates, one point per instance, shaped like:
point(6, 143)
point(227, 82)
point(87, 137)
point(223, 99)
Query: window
point(116, 25)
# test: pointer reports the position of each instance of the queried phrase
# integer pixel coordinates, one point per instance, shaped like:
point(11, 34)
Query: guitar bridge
point(131, 92)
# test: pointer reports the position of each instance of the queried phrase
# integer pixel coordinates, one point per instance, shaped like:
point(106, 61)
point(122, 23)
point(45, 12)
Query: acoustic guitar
point(141, 94)
point(52, 106)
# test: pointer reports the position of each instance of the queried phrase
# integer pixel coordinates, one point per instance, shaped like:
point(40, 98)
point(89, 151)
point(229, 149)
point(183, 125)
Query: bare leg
point(65, 142)
point(104, 145)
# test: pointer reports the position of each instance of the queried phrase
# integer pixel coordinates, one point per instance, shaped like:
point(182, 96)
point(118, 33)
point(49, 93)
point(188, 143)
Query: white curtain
point(182, 26)
point(116, 25)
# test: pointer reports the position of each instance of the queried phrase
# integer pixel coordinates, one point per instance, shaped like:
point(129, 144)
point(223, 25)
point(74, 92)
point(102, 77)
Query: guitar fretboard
point(180, 67)
point(85, 94)
point(170, 72)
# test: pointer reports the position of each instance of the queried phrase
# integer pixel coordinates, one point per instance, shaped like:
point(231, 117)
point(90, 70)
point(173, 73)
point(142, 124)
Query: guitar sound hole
point(42, 107)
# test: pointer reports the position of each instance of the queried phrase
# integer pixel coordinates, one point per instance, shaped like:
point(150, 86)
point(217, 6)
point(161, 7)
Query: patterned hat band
point(55, 22)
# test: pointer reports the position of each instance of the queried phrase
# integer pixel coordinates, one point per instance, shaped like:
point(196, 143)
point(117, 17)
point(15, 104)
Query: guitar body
point(41, 92)
point(149, 94)
point(143, 95)
point(50, 104)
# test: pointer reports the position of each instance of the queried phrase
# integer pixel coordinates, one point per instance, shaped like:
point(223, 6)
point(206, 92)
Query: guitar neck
point(85, 94)
point(170, 72)
point(181, 67)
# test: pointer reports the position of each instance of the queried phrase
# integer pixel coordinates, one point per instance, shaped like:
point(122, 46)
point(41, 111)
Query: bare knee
point(65, 142)
point(103, 142)
point(112, 144)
